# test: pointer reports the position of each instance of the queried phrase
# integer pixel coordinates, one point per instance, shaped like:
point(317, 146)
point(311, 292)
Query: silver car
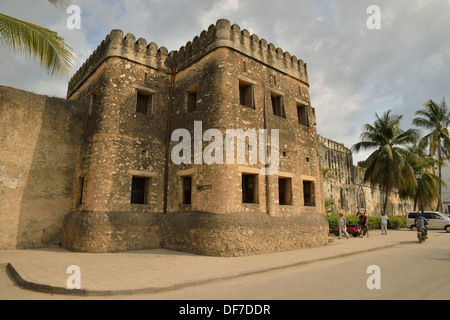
point(436, 220)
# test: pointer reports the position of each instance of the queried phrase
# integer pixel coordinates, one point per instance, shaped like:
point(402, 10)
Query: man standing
point(384, 221)
point(342, 226)
point(363, 224)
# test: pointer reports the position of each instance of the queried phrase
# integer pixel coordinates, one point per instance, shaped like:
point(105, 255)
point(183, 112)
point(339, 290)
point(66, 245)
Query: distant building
point(344, 184)
point(445, 176)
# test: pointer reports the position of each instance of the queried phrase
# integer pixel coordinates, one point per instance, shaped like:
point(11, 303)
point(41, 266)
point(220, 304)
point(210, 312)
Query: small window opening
point(277, 105)
point(187, 190)
point(285, 191)
point(139, 190)
point(302, 112)
point(144, 103)
point(249, 188)
point(191, 100)
point(80, 190)
point(308, 193)
point(246, 94)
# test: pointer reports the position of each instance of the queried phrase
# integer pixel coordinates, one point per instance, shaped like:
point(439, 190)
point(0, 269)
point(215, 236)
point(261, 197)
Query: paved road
point(407, 271)
point(401, 269)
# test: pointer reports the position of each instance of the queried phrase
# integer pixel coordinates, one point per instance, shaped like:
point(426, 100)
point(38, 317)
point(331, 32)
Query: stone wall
point(238, 234)
point(344, 184)
point(223, 34)
point(88, 231)
point(78, 158)
point(119, 143)
point(235, 234)
point(39, 140)
point(216, 78)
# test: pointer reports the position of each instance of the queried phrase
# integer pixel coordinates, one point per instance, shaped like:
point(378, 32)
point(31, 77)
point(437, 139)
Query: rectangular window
point(139, 190)
point(302, 112)
point(144, 103)
point(246, 94)
point(187, 190)
point(191, 100)
point(285, 191)
point(308, 193)
point(80, 190)
point(277, 105)
point(412, 215)
point(249, 188)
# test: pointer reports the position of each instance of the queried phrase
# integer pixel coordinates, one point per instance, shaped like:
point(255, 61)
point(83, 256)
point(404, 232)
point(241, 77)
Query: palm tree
point(388, 167)
point(45, 45)
point(436, 118)
point(429, 182)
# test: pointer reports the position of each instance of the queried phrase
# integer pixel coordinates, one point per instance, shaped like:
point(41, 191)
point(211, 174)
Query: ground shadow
point(409, 242)
point(51, 129)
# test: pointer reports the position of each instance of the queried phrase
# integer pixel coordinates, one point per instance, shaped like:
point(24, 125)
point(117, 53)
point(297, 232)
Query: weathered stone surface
point(39, 139)
point(344, 184)
point(238, 234)
point(201, 233)
point(111, 143)
point(88, 231)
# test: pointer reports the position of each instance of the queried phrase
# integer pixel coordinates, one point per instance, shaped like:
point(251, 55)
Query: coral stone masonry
point(126, 191)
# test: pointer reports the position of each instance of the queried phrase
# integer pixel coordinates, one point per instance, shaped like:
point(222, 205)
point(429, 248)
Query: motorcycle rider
point(421, 223)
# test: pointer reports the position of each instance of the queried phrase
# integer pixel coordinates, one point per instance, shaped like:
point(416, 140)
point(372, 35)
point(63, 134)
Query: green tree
point(387, 167)
point(329, 205)
point(43, 44)
point(436, 118)
point(429, 182)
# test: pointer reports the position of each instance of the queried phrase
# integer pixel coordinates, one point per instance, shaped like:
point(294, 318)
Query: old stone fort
point(92, 172)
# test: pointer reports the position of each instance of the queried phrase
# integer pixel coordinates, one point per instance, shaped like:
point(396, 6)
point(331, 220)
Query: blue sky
point(354, 72)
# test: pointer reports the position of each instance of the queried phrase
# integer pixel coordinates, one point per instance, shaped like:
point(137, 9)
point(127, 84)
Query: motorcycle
point(353, 229)
point(421, 235)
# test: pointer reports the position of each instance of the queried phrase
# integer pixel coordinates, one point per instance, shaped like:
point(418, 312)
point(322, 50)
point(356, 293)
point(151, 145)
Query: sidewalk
point(156, 270)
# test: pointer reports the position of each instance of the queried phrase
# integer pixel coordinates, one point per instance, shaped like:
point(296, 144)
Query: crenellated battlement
point(333, 145)
point(222, 34)
point(116, 45)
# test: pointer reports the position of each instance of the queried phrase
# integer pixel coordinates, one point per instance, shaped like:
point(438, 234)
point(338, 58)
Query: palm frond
point(407, 137)
point(423, 123)
point(39, 42)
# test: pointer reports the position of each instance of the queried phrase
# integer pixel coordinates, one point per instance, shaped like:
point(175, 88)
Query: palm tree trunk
point(415, 201)
point(440, 205)
point(386, 197)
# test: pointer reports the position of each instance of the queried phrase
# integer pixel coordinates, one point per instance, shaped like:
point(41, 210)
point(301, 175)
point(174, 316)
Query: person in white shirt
point(384, 220)
point(342, 226)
